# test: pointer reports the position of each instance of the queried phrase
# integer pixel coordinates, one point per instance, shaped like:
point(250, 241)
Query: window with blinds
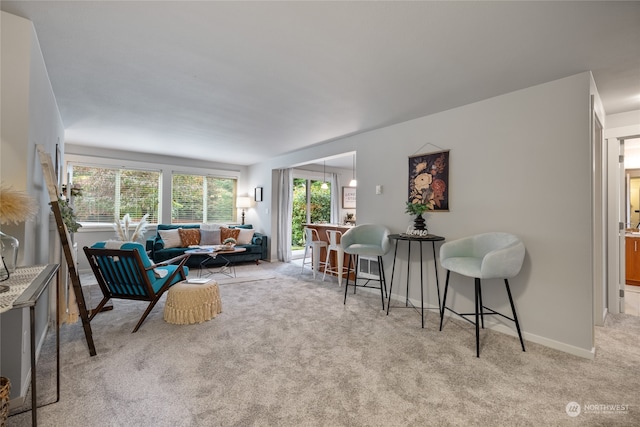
point(113, 192)
point(199, 198)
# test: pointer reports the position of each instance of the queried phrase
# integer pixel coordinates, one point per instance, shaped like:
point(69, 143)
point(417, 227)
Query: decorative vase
point(10, 247)
point(419, 223)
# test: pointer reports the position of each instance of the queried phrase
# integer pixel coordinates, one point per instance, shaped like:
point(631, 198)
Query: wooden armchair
point(124, 271)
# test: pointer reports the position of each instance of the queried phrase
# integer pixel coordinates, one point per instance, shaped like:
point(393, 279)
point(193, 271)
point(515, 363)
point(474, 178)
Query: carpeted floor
point(286, 352)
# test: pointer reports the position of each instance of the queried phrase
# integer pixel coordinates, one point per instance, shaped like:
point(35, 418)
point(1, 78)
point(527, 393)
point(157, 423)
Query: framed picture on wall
point(348, 197)
point(257, 194)
point(429, 180)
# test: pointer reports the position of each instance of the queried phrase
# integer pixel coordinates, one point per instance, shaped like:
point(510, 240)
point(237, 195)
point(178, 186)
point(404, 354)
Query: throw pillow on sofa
point(171, 238)
point(245, 236)
point(225, 233)
point(210, 237)
point(189, 236)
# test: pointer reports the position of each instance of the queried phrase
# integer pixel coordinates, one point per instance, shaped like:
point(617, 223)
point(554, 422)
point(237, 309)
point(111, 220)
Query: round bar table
point(420, 239)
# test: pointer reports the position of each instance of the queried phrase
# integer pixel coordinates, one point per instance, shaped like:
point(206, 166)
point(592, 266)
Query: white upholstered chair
point(368, 240)
point(483, 256)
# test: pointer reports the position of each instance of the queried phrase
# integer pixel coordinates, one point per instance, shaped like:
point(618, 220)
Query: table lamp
point(243, 202)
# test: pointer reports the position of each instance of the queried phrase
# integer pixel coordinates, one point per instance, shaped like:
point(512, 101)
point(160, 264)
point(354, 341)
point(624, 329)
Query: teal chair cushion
point(157, 276)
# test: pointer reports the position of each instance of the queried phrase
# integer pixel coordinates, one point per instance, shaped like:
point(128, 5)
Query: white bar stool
point(312, 242)
point(334, 237)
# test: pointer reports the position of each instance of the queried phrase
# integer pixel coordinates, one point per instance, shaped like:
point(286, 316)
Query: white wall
point(16, 48)
point(626, 124)
point(519, 162)
point(30, 116)
point(630, 118)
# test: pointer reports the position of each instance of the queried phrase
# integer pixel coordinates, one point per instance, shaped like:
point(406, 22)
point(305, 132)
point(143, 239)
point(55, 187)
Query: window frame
point(166, 174)
point(234, 208)
point(71, 164)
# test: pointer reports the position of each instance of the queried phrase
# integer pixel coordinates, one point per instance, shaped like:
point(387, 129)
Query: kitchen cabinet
point(632, 260)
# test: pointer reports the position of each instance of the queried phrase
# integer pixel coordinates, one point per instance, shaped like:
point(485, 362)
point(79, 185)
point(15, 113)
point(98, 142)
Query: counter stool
point(312, 242)
point(368, 240)
point(484, 256)
point(334, 237)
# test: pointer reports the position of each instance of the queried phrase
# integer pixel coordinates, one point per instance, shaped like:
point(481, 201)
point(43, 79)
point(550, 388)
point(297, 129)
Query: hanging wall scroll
point(429, 180)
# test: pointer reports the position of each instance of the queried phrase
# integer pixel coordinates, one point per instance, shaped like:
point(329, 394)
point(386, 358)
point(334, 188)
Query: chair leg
point(326, 264)
point(340, 256)
point(98, 308)
point(384, 278)
point(315, 263)
point(477, 323)
point(515, 316)
point(147, 311)
point(306, 249)
point(480, 300)
point(356, 259)
point(444, 300)
point(381, 276)
point(346, 286)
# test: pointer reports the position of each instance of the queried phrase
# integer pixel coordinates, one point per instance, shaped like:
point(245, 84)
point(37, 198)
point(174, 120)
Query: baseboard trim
point(489, 323)
point(547, 342)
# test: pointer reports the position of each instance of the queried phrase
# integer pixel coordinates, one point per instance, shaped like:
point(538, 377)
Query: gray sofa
point(255, 251)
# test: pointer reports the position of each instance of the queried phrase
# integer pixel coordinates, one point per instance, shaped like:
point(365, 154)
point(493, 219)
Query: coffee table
point(228, 269)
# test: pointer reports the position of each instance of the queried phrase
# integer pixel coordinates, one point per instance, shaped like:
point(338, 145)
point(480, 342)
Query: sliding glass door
point(311, 204)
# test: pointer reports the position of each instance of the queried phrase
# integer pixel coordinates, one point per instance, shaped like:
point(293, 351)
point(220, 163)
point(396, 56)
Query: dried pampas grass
point(122, 228)
point(16, 206)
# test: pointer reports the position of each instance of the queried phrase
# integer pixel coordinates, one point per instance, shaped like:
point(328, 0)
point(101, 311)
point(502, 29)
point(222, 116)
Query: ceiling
point(238, 82)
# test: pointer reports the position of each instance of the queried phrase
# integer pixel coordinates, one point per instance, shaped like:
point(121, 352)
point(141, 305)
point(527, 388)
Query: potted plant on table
point(417, 208)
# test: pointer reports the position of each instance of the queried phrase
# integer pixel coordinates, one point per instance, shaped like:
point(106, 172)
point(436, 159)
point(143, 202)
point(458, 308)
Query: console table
point(420, 239)
point(32, 282)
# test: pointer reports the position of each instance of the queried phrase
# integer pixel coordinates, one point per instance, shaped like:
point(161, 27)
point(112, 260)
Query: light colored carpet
point(286, 352)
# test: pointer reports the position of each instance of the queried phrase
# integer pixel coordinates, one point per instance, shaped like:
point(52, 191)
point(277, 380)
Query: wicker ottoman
point(189, 303)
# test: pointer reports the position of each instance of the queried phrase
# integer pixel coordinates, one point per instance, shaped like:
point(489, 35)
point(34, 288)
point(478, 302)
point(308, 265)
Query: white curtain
point(335, 199)
point(285, 217)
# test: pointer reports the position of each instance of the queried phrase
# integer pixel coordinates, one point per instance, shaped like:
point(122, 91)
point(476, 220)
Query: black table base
point(420, 239)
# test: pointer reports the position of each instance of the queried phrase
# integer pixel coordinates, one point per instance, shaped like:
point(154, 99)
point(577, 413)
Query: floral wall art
point(429, 180)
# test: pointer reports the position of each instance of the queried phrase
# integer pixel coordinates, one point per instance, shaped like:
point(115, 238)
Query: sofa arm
point(154, 244)
point(261, 240)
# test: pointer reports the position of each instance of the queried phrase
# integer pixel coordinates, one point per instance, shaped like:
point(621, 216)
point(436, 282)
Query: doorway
point(630, 304)
point(311, 204)
point(623, 153)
